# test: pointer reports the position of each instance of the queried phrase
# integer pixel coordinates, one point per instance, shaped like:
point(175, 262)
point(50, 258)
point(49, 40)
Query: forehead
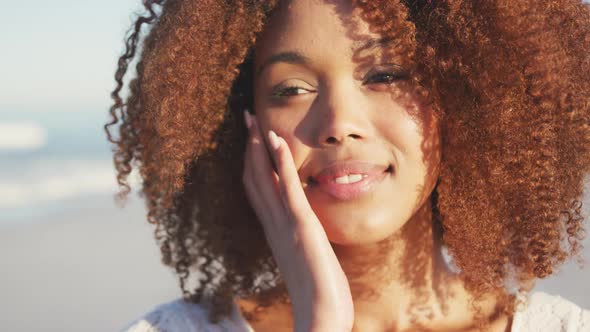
point(313, 27)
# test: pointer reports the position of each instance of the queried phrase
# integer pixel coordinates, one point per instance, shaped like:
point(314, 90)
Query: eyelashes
point(380, 78)
point(290, 91)
point(385, 77)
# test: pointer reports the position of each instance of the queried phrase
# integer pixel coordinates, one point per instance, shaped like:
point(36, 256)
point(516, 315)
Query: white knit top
point(543, 313)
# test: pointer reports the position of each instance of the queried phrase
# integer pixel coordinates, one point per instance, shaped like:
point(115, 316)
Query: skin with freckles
point(329, 109)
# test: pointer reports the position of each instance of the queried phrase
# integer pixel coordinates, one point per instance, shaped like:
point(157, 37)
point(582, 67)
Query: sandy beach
point(97, 268)
point(94, 269)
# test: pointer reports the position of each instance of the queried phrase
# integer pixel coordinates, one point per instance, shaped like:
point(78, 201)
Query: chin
point(361, 229)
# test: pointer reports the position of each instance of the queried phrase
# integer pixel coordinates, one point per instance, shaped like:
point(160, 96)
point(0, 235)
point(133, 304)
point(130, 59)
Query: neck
point(398, 284)
point(407, 282)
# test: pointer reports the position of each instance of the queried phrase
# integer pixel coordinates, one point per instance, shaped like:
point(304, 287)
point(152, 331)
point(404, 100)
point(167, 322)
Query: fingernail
point(273, 139)
point(247, 119)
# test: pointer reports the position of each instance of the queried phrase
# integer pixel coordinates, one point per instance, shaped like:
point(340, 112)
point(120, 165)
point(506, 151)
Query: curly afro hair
point(510, 81)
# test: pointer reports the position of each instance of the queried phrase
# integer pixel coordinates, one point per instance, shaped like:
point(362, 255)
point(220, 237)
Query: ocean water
point(51, 162)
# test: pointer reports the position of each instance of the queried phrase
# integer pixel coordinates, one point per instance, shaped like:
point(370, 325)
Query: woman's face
point(345, 119)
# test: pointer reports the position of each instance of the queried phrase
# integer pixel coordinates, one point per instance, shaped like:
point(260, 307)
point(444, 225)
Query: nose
point(341, 117)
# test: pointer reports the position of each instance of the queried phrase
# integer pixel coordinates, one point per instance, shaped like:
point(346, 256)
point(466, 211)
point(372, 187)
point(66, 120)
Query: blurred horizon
point(58, 67)
point(72, 259)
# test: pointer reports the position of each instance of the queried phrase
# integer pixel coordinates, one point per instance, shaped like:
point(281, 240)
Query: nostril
point(334, 139)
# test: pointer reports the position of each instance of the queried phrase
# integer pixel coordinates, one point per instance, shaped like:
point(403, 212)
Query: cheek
point(286, 128)
point(401, 133)
point(275, 120)
point(415, 141)
point(426, 151)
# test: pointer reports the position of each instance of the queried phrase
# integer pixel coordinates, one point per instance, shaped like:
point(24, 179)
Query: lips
point(363, 177)
point(339, 169)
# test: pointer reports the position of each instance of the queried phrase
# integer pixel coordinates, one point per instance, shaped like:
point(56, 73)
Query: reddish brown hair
point(510, 81)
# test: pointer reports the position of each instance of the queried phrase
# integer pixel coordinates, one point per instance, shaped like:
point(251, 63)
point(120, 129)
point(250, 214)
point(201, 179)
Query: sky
point(60, 55)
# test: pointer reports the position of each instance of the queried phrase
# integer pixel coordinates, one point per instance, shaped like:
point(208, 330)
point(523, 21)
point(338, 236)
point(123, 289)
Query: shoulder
point(172, 316)
point(179, 315)
point(545, 312)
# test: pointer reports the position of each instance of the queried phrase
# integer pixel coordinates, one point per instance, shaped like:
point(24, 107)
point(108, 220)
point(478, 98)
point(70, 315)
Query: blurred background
point(70, 259)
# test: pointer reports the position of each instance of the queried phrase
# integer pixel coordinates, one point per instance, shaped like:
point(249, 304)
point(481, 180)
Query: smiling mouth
point(310, 181)
point(347, 187)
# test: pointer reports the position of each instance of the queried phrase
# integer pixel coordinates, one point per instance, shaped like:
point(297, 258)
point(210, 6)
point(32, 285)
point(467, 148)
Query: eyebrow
point(290, 57)
point(294, 57)
point(372, 44)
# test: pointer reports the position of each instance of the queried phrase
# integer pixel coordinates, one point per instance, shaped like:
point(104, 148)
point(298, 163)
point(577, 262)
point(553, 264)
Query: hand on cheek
point(318, 287)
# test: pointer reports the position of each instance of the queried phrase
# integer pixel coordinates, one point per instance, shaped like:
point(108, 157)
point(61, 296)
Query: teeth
point(351, 178)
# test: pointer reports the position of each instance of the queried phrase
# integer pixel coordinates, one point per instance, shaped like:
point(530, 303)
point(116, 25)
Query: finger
point(260, 160)
point(247, 164)
point(290, 185)
point(261, 177)
point(248, 178)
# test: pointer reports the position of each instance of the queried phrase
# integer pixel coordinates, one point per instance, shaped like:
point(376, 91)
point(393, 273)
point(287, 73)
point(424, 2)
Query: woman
point(306, 163)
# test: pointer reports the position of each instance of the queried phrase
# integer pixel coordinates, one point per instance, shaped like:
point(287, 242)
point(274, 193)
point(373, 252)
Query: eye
point(290, 91)
point(386, 77)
